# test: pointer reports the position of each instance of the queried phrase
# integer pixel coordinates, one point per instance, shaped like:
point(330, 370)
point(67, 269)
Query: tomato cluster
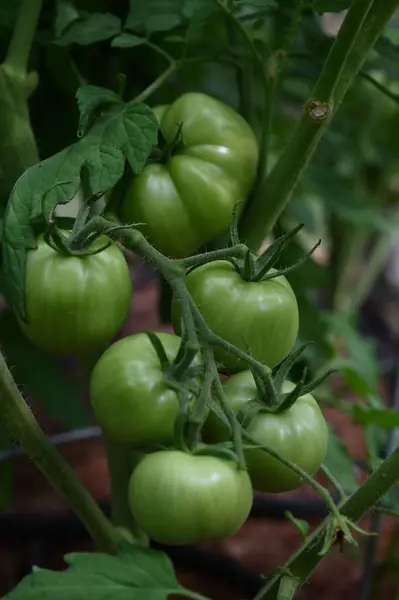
point(75, 304)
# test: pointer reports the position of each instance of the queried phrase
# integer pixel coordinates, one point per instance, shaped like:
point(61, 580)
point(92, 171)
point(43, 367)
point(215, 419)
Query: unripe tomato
point(75, 304)
point(299, 434)
point(259, 317)
point(129, 395)
point(178, 498)
point(189, 199)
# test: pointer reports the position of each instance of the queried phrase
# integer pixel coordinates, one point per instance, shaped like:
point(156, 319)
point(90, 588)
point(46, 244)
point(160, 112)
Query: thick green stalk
point(18, 149)
point(305, 560)
point(361, 28)
point(23, 428)
point(121, 462)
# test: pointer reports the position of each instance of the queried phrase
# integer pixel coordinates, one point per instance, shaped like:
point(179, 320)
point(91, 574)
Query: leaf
point(135, 574)
point(65, 14)
point(126, 131)
point(41, 375)
point(386, 418)
point(89, 99)
point(154, 15)
point(300, 524)
point(127, 40)
point(340, 462)
point(89, 29)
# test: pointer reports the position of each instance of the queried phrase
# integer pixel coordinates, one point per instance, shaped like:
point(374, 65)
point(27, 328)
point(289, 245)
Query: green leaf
point(136, 574)
point(127, 40)
point(126, 131)
point(154, 15)
point(65, 14)
point(300, 524)
point(340, 462)
point(386, 418)
point(42, 377)
point(90, 28)
point(90, 98)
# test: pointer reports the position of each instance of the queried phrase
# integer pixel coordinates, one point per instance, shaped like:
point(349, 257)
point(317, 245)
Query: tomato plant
point(130, 396)
point(188, 199)
point(179, 498)
point(75, 304)
point(260, 317)
point(299, 434)
point(244, 150)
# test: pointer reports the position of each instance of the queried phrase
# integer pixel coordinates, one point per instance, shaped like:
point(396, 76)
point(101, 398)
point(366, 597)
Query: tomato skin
point(178, 498)
point(75, 305)
point(260, 317)
point(189, 200)
point(129, 396)
point(299, 435)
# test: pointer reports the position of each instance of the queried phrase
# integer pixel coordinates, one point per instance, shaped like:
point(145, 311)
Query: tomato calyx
point(271, 397)
point(163, 152)
point(223, 450)
point(252, 268)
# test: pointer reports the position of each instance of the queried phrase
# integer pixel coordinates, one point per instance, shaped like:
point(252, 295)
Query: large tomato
point(75, 304)
point(178, 498)
point(188, 200)
point(259, 317)
point(300, 435)
point(129, 395)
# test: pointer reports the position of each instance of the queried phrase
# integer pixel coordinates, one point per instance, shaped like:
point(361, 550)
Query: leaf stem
point(24, 429)
point(158, 82)
point(21, 41)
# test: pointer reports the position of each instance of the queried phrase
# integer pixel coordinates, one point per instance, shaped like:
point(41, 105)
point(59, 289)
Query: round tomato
point(189, 199)
point(178, 498)
point(129, 395)
point(299, 434)
point(75, 304)
point(259, 317)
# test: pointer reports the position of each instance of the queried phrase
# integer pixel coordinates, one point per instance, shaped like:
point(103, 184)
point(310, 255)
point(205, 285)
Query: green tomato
point(75, 304)
point(259, 317)
point(188, 200)
point(299, 434)
point(130, 398)
point(178, 498)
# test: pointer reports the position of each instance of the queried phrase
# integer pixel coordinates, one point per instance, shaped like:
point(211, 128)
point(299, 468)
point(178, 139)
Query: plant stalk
point(361, 28)
point(21, 41)
point(23, 428)
point(121, 462)
point(304, 561)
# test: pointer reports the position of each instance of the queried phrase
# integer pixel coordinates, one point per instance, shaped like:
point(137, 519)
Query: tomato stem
point(24, 429)
point(21, 41)
point(307, 557)
point(360, 30)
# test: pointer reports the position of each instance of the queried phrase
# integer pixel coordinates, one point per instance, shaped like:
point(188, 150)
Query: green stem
point(337, 74)
point(288, 587)
point(158, 82)
point(24, 31)
point(304, 561)
point(237, 251)
point(382, 88)
point(372, 269)
point(24, 429)
point(338, 487)
point(121, 462)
